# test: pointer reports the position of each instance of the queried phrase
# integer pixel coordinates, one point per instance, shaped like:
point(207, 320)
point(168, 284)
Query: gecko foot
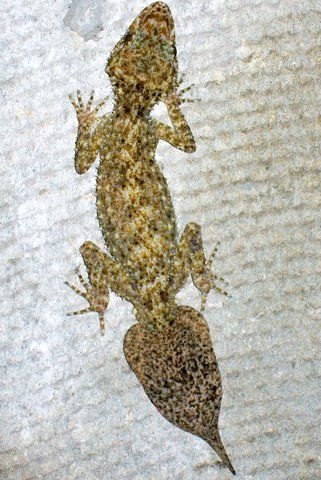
point(176, 96)
point(210, 282)
point(181, 92)
point(85, 114)
point(97, 299)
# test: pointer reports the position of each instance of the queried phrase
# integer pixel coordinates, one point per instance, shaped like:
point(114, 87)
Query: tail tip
point(228, 464)
point(221, 452)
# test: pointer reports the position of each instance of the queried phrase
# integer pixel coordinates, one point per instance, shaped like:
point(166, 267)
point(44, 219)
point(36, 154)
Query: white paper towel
point(70, 408)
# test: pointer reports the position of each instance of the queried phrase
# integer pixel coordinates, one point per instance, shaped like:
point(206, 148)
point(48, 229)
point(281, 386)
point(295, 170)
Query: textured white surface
point(70, 408)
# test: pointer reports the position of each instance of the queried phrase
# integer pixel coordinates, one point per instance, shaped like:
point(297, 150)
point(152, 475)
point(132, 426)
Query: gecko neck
point(133, 111)
point(134, 101)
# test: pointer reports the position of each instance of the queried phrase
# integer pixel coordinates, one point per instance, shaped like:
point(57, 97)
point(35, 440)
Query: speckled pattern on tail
point(178, 370)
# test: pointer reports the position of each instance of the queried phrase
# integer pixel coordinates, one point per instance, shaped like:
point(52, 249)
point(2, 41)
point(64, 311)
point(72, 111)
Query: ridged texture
point(70, 408)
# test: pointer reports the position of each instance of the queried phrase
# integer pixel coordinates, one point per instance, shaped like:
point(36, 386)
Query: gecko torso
point(134, 207)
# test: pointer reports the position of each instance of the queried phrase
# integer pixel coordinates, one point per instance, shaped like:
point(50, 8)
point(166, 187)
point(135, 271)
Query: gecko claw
point(190, 100)
point(101, 104)
point(91, 99)
point(79, 98)
point(75, 289)
point(79, 312)
point(73, 101)
point(102, 325)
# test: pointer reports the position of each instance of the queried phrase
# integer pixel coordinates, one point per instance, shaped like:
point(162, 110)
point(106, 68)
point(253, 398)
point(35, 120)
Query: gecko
point(146, 263)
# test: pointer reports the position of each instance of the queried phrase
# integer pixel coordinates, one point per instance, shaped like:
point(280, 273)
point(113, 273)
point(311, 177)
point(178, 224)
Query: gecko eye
point(127, 36)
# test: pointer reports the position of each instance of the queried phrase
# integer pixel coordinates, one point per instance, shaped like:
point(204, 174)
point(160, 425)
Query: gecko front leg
point(179, 135)
point(103, 273)
point(91, 132)
point(190, 258)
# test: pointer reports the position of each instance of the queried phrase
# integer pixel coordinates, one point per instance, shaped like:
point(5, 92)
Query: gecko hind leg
point(190, 258)
point(98, 300)
point(103, 273)
point(208, 266)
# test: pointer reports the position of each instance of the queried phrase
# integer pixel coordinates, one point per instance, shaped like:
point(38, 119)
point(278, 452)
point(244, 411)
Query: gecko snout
point(157, 19)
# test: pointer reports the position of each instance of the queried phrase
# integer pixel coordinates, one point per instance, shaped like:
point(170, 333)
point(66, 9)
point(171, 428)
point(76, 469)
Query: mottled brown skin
point(146, 264)
point(187, 388)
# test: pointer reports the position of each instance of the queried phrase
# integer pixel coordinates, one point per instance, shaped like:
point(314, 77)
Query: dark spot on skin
point(196, 244)
point(127, 37)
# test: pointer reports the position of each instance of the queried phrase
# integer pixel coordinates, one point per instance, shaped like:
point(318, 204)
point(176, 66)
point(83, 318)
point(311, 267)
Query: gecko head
point(146, 55)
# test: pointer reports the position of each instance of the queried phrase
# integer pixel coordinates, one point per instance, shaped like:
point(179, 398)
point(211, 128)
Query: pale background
point(70, 408)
